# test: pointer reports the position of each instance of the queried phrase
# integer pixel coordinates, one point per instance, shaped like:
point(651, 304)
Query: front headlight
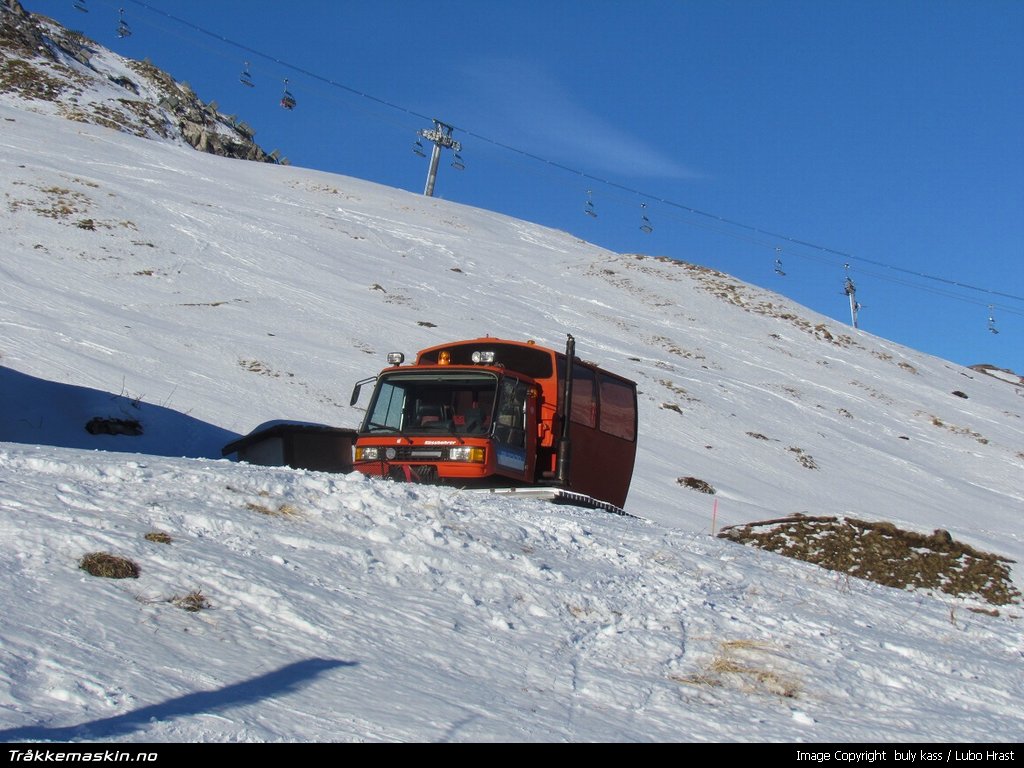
point(367, 453)
point(469, 453)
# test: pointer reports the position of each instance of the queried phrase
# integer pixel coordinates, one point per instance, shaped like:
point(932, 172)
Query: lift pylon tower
point(441, 136)
point(851, 290)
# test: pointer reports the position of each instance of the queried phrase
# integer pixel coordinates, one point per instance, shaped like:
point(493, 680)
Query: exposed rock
point(66, 73)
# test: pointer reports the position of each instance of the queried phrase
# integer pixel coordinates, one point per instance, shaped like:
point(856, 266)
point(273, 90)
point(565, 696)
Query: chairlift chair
point(645, 224)
point(992, 321)
point(417, 148)
point(287, 100)
point(123, 30)
point(246, 77)
point(457, 162)
point(81, 6)
point(589, 207)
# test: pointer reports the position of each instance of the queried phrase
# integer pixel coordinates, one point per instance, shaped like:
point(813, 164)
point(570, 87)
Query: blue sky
point(888, 136)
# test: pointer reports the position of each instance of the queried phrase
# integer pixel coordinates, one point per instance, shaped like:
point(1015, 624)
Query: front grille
point(426, 473)
point(419, 453)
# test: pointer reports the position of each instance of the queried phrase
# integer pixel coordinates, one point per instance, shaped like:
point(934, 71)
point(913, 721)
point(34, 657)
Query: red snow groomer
point(491, 414)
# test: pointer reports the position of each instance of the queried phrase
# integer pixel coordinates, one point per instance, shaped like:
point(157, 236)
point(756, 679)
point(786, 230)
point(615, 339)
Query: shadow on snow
point(42, 412)
point(271, 685)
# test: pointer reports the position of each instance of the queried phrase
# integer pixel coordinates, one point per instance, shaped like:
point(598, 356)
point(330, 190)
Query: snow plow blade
point(561, 496)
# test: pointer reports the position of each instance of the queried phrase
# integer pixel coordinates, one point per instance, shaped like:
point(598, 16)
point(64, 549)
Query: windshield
point(425, 402)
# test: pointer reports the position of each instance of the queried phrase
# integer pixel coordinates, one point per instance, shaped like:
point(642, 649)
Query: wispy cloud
point(524, 106)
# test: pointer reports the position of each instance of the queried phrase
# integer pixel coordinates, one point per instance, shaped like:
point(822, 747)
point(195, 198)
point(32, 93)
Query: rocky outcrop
point(47, 64)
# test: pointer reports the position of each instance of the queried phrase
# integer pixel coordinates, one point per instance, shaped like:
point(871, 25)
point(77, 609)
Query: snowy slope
point(348, 610)
point(270, 291)
point(204, 296)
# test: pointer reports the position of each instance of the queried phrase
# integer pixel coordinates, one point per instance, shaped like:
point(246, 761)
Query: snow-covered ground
point(203, 296)
point(345, 609)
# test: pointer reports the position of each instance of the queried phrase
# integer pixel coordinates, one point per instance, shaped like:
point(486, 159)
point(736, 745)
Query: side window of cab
point(510, 423)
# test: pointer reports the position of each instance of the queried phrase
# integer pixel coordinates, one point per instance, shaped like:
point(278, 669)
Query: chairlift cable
point(582, 174)
point(307, 73)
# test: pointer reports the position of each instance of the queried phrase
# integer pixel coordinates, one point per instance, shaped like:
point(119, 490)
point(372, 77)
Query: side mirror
point(356, 389)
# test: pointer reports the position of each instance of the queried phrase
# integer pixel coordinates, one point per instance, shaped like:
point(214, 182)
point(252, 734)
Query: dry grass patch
point(54, 202)
point(966, 431)
point(882, 553)
point(32, 82)
point(256, 366)
point(741, 664)
point(108, 566)
point(696, 484)
point(805, 459)
point(158, 537)
point(193, 602)
point(677, 390)
point(282, 510)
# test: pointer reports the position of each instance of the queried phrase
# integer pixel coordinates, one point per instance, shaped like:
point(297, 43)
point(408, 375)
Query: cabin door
point(515, 429)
